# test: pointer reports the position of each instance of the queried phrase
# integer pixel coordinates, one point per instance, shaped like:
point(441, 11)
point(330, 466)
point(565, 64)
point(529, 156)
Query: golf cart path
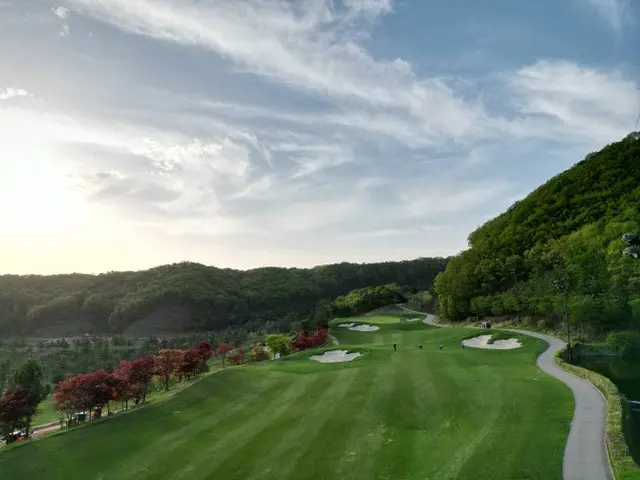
point(585, 454)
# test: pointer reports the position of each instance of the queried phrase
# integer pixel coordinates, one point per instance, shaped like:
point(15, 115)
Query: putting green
point(410, 414)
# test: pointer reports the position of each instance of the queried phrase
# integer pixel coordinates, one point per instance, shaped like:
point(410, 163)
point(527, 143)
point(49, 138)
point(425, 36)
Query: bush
point(624, 343)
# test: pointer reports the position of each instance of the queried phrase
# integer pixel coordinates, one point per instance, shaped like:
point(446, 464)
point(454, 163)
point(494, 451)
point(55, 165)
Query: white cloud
point(308, 47)
point(9, 93)
point(61, 12)
point(369, 7)
point(562, 99)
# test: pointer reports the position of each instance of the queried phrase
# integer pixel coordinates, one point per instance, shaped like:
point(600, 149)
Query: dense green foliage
point(208, 298)
point(363, 300)
point(410, 414)
point(569, 229)
point(624, 343)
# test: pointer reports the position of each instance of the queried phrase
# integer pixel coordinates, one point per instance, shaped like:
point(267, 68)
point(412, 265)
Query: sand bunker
point(412, 319)
point(335, 356)
point(482, 341)
point(365, 328)
point(346, 325)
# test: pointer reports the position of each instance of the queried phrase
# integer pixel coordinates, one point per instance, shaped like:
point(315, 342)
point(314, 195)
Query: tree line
point(567, 232)
point(213, 298)
point(87, 394)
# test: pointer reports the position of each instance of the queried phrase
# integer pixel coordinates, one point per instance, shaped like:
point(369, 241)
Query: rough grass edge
point(624, 467)
point(161, 397)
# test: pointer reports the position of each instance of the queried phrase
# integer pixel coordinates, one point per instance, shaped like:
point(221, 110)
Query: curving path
point(585, 455)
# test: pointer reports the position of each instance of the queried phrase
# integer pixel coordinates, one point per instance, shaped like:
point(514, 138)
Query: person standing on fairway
point(420, 346)
point(462, 344)
point(440, 346)
point(394, 347)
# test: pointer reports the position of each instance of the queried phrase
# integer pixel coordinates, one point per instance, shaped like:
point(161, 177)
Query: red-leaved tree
point(85, 392)
point(238, 357)
point(67, 396)
point(123, 390)
point(305, 340)
point(168, 362)
point(206, 352)
point(16, 405)
point(139, 373)
point(99, 387)
point(223, 349)
point(190, 366)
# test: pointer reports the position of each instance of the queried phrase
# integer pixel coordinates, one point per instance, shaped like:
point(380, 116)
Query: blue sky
point(245, 133)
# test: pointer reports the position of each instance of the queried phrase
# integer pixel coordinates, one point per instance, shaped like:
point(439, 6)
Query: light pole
point(563, 289)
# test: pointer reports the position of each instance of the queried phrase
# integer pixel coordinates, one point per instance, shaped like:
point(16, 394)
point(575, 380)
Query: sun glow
point(37, 192)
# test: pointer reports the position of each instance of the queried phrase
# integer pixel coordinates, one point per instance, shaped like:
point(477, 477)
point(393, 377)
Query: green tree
point(5, 369)
point(30, 376)
point(278, 343)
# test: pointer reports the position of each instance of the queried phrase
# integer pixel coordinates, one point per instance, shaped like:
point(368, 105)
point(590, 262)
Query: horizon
point(269, 133)
point(320, 265)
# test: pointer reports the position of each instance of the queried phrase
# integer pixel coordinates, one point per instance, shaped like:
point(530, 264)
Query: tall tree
point(5, 370)
point(30, 376)
point(16, 409)
point(168, 363)
point(140, 372)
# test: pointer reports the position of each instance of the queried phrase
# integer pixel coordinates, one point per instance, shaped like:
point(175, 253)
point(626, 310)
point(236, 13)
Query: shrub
point(625, 343)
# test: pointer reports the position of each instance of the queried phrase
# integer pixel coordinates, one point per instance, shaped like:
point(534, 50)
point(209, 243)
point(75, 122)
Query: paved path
point(585, 455)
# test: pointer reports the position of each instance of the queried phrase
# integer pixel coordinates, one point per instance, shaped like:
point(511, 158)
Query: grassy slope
point(466, 414)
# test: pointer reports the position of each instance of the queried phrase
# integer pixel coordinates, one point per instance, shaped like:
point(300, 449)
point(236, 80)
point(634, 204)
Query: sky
point(246, 133)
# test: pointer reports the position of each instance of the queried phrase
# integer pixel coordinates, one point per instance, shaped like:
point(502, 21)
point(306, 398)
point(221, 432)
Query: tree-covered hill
point(568, 229)
point(189, 296)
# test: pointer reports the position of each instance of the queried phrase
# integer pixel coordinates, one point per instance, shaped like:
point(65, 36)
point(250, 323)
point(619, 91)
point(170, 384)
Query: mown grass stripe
point(233, 437)
point(165, 445)
point(293, 453)
point(250, 459)
point(358, 448)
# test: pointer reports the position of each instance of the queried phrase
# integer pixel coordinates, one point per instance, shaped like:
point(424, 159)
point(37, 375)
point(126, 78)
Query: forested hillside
point(189, 296)
point(569, 229)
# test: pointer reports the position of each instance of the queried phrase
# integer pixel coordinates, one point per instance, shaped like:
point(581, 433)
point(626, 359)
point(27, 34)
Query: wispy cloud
point(569, 101)
point(9, 93)
point(615, 13)
point(313, 47)
point(288, 131)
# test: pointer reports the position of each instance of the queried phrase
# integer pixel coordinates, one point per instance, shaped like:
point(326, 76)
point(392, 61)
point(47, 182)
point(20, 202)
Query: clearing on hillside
point(411, 414)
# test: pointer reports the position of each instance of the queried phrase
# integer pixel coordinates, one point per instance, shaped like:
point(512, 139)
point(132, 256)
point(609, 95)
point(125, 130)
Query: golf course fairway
point(411, 414)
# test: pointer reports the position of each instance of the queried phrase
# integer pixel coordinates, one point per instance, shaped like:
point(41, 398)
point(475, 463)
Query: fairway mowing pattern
point(411, 414)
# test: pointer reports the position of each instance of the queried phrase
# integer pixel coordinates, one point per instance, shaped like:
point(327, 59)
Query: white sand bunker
point(346, 325)
point(412, 319)
point(482, 341)
point(365, 328)
point(335, 356)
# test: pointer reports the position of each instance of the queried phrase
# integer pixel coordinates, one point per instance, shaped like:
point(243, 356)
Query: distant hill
point(189, 296)
point(568, 229)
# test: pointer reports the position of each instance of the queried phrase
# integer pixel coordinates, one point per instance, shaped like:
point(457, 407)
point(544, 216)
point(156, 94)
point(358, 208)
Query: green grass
point(46, 413)
point(411, 414)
